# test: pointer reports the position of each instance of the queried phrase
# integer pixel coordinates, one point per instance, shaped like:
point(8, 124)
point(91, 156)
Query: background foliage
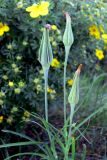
point(21, 76)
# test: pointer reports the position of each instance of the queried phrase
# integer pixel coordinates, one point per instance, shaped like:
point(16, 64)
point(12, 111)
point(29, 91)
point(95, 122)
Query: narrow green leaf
point(26, 153)
point(19, 144)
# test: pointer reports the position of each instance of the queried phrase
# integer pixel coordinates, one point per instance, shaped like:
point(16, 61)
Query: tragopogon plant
point(74, 95)
point(68, 40)
point(45, 58)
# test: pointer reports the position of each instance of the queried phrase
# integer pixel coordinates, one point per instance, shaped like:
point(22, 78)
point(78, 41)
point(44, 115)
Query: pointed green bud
point(68, 37)
point(74, 94)
point(45, 51)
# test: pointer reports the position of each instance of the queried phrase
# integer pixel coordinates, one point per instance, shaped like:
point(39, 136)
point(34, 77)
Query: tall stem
point(71, 118)
point(65, 66)
point(46, 99)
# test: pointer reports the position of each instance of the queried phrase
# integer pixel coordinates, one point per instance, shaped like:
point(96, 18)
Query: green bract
point(74, 94)
point(45, 51)
point(68, 37)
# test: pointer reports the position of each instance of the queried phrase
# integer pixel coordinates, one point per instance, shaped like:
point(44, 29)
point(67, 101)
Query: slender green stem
point(71, 118)
point(46, 98)
point(65, 66)
point(73, 148)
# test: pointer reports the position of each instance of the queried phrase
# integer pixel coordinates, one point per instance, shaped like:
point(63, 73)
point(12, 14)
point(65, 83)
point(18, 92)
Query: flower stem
point(46, 99)
point(71, 118)
point(65, 66)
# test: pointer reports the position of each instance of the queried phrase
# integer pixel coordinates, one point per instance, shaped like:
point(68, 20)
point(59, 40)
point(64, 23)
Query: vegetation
point(45, 113)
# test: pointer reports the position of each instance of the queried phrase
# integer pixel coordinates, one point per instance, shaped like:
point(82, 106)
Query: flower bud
point(74, 94)
point(45, 51)
point(68, 37)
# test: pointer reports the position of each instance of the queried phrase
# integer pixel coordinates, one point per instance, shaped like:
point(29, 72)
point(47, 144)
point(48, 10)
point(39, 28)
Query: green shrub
point(21, 75)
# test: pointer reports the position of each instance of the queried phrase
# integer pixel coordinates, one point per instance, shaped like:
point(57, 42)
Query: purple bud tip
point(48, 26)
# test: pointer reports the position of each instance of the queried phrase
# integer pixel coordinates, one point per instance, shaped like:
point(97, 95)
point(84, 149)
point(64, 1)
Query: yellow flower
point(9, 46)
point(14, 65)
point(104, 37)
point(3, 28)
point(19, 5)
point(37, 10)
point(55, 63)
point(70, 82)
point(50, 90)
point(17, 90)
point(54, 44)
point(14, 109)
point(19, 58)
point(1, 102)
point(25, 119)
point(2, 94)
point(54, 27)
point(5, 77)
point(21, 84)
point(39, 87)
point(1, 119)
point(94, 31)
point(99, 54)
point(36, 80)
point(10, 120)
point(26, 114)
point(16, 70)
point(11, 84)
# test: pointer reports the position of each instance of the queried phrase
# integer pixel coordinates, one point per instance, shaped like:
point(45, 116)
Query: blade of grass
point(19, 144)
point(26, 153)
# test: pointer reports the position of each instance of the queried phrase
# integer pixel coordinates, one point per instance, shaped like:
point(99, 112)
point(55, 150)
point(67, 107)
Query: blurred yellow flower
point(26, 114)
point(1, 102)
point(94, 31)
point(50, 90)
point(9, 46)
point(21, 84)
point(16, 70)
point(14, 65)
point(25, 119)
point(2, 94)
point(104, 37)
point(1, 119)
point(14, 109)
point(36, 80)
point(11, 84)
point(17, 90)
point(54, 27)
point(99, 54)
point(36, 10)
point(19, 58)
point(5, 77)
point(39, 88)
point(3, 28)
point(19, 5)
point(10, 120)
point(54, 44)
point(70, 82)
point(55, 63)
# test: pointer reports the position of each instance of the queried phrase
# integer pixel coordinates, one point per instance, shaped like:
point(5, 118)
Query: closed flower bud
point(45, 51)
point(68, 37)
point(74, 94)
